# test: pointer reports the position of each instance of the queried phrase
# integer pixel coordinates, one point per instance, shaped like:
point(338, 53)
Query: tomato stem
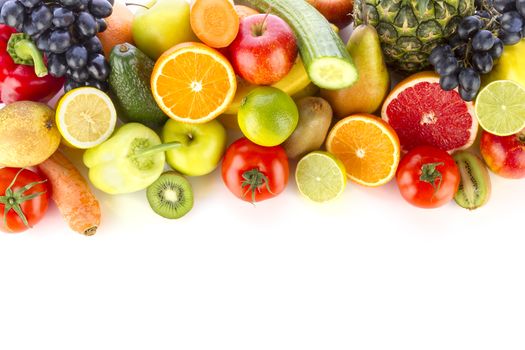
point(254, 180)
point(12, 200)
point(430, 174)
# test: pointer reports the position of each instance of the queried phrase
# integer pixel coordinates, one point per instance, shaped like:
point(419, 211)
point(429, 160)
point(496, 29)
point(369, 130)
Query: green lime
point(268, 116)
point(320, 176)
point(500, 107)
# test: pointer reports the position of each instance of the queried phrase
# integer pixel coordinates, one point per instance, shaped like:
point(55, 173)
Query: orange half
point(367, 146)
point(193, 83)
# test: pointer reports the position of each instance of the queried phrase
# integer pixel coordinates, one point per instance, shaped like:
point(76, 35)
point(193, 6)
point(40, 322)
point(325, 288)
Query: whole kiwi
point(170, 196)
point(315, 117)
point(474, 187)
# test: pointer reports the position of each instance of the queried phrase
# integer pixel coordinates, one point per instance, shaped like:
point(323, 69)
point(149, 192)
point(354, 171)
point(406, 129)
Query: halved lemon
point(85, 117)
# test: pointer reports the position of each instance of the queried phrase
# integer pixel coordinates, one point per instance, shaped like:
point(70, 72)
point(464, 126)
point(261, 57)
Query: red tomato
point(25, 195)
point(255, 173)
point(427, 177)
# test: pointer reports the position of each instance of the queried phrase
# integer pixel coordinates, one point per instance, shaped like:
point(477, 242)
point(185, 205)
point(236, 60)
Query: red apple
point(505, 155)
point(264, 50)
point(336, 11)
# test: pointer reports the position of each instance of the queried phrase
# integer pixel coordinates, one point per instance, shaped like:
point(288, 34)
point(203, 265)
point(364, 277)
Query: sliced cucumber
point(324, 55)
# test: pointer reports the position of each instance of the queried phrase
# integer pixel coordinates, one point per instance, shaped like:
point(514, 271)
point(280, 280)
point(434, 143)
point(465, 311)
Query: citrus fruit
point(193, 83)
point(268, 116)
point(500, 108)
point(320, 176)
point(85, 117)
point(424, 114)
point(367, 146)
point(118, 28)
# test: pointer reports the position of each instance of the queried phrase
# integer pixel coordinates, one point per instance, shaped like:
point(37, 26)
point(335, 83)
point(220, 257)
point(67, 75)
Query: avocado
point(129, 83)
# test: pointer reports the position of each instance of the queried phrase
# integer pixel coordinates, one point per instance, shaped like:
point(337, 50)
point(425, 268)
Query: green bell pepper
point(131, 160)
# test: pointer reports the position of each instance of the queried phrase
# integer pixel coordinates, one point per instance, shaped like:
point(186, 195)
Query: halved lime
point(320, 176)
point(500, 107)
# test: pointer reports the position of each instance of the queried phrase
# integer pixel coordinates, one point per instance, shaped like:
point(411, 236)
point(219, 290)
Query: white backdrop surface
point(366, 272)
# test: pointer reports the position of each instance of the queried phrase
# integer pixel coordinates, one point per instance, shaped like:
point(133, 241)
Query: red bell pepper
point(23, 72)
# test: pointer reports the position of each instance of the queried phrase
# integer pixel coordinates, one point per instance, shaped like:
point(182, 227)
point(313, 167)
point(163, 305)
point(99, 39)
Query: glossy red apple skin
point(504, 155)
point(264, 50)
point(338, 12)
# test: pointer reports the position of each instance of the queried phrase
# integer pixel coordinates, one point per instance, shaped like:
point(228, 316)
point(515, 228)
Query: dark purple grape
point(467, 95)
point(93, 45)
point(469, 79)
point(497, 49)
point(13, 14)
point(56, 63)
point(29, 27)
point(101, 25)
point(43, 41)
point(483, 14)
point(483, 40)
point(112, 2)
point(98, 67)
point(71, 84)
point(509, 38)
point(86, 24)
point(469, 26)
point(59, 41)
point(101, 85)
point(41, 17)
point(503, 6)
point(520, 6)
point(483, 62)
point(63, 17)
point(439, 53)
point(101, 8)
point(447, 66)
point(29, 3)
point(79, 75)
point(76, 57)
point(512, 22)
point(449, 82)
point(69, 3)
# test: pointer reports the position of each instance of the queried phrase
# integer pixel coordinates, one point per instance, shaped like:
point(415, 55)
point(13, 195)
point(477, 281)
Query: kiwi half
point(170, 196)
point(474, 187)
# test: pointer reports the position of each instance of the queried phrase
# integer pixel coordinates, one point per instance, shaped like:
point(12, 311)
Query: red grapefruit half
point(422, 113)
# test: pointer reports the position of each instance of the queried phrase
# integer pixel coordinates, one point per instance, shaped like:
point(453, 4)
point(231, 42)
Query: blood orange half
point(422, 113)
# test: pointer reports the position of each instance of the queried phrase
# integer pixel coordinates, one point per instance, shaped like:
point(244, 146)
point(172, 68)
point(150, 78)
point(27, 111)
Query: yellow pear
point(368, 93)
point(509, 66)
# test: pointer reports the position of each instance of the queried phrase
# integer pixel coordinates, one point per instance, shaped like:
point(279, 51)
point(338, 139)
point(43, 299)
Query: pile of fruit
point(137, 92)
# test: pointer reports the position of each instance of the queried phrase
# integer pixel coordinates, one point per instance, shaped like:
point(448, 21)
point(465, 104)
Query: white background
point(367, 271)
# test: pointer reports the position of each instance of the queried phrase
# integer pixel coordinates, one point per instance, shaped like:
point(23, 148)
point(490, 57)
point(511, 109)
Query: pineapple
point(410, 29)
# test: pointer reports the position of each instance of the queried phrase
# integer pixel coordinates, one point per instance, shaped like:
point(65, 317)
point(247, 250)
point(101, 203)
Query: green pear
point(161, 25)
point(368, 93)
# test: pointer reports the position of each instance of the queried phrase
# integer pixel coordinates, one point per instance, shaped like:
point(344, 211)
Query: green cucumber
point(324, 55)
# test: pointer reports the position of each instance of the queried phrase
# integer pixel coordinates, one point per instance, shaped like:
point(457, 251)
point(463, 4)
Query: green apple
point(161, 25)
point(202, 146)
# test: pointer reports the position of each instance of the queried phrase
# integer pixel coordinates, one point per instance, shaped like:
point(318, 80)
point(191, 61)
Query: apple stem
point(135, 4)
point(258, 29)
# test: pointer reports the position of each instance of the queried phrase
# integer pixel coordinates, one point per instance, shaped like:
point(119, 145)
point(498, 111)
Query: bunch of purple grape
point(478, 44)
point(65, 30)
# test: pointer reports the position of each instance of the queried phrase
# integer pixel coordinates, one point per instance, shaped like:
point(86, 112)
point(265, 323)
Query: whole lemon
point(28, 134)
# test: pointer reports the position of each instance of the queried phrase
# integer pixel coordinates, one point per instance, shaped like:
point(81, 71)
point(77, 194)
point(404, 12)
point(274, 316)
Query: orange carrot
point(245, 11)
point(71, 194)
point(215, 22)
